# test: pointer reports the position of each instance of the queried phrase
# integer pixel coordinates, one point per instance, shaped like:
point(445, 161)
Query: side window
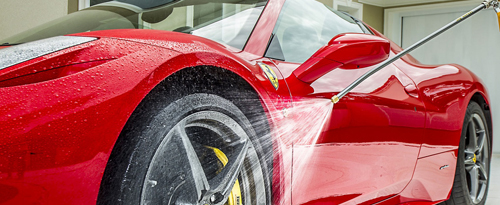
point(303, 27)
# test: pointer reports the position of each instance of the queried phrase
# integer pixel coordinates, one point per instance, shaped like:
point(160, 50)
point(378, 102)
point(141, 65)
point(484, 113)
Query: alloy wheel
point(476, 158)
point(184, 170)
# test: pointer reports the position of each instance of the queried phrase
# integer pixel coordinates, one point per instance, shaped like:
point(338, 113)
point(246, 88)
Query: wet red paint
point(384, 142)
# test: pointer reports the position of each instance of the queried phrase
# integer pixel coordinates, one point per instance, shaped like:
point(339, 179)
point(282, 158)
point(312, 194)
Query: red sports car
point(228, 102)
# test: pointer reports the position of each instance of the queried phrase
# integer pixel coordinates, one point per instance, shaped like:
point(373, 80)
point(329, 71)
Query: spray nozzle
point(490, 3)
point(498, 15)
point(335, 99)
point(496, 6)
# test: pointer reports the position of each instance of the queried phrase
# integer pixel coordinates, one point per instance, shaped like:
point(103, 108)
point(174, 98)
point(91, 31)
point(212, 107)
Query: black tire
point(472, 159)
point(153, 161)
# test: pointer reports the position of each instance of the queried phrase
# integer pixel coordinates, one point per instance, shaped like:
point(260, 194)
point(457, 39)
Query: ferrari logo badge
point(271, 75)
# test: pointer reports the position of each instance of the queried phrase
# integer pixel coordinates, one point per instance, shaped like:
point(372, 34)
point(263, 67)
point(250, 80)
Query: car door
point(367, 149)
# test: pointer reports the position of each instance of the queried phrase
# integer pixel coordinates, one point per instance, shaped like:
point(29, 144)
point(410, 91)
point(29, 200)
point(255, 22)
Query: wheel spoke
point(474, 183)
point(199, 177)
point(185, 179)
point(196, 175)
point(482, 172)
point(472, 146)
point(469, 163)
point(483, 182)
point(481, 139)
point(224, 181)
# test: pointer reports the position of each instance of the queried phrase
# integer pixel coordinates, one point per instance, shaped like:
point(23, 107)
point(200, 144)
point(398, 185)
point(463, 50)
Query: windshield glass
point(221, 21)
point(304, 26)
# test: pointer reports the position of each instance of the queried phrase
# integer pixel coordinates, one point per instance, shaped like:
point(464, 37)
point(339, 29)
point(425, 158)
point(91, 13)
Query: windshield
point(221, 21)
point(304, 26)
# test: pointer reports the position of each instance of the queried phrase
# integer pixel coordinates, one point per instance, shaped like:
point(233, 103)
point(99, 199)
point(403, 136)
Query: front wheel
point(199, 149)
point(473, 166)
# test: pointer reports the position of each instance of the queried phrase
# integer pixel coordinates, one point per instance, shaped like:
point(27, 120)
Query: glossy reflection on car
point(228, 102)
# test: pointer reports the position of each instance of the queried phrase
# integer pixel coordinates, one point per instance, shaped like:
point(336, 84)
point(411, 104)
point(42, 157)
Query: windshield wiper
point(360, 23)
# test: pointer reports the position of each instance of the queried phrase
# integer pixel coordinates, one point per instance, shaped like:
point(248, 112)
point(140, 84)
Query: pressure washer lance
point(484, 5)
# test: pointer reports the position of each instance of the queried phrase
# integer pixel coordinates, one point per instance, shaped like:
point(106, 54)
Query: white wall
point(19, 15)
point(475, 44)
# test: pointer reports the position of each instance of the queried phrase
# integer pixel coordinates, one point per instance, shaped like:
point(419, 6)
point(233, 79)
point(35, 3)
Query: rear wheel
point(473, 165)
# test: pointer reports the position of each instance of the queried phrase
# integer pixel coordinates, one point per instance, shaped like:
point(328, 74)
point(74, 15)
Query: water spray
point(484, 5)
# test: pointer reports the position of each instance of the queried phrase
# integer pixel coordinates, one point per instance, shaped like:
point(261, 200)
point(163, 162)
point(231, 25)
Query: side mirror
point(349, 51)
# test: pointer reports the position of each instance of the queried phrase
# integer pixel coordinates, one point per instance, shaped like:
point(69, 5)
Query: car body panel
point(352, 139)
point(446, 91)
point(433, 178)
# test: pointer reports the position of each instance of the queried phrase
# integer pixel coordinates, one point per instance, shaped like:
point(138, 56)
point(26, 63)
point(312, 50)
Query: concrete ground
point(494, 192)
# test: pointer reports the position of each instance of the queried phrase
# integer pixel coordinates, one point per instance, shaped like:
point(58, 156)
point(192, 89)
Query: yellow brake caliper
point(235, 196)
